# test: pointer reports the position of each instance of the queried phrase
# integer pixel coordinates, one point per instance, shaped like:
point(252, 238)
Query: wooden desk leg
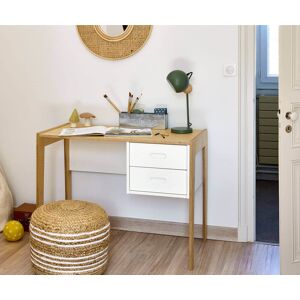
point(68, 174)
point(191, 206)
point(40, 170)
point(204, 217)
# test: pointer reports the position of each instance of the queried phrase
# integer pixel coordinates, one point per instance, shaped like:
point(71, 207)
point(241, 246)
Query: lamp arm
point(189, 124)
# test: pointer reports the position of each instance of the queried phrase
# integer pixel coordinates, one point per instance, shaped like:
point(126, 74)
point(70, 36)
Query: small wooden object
point(23, 214)
point(87, 118)
point(188, 89)
point(74, 118)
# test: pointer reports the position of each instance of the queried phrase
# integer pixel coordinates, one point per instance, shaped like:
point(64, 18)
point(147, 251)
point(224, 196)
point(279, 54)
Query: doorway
point(267, 185)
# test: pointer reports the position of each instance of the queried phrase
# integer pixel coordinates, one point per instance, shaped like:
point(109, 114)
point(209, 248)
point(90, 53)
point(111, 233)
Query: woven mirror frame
point(113, 48)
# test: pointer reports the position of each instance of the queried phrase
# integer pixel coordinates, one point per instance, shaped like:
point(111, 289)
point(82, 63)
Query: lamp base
point(181, 130)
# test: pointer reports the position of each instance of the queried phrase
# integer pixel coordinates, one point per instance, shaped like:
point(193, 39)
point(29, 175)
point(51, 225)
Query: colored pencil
point(129, 103)
point(112, 103)
point(135, 102)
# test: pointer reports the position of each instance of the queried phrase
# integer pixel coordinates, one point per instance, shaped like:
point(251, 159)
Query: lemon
point(13, 231)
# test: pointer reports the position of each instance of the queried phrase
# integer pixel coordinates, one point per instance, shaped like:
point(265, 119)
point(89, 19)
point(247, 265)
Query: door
point(289, 149)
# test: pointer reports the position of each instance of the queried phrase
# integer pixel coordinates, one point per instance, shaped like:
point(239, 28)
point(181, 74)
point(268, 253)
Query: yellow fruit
point(13, 231)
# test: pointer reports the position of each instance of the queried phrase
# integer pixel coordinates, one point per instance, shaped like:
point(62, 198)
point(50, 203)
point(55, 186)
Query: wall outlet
point(229, 70)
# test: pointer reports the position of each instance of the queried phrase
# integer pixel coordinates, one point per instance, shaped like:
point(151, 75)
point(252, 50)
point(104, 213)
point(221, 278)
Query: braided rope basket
point(111, 48)
point(69, 237)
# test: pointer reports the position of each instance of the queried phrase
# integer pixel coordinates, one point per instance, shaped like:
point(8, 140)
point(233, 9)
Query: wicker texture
point(69, 237)
point(114, 50)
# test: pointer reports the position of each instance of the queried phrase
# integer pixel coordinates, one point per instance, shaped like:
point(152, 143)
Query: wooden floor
point(141, 253)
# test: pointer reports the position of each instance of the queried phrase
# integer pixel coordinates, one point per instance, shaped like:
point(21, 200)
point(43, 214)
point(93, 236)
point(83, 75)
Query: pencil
point(135, 102)
point(111, 103)
point(129, 103)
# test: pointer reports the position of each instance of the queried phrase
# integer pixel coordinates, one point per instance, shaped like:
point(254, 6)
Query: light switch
point(229, 70)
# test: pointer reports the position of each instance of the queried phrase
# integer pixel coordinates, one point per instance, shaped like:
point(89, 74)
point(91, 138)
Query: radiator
point(267, 130)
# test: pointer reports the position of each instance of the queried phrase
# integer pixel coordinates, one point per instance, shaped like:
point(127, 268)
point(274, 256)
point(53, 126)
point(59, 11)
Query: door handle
point(291, 115)
point(158, 155)
point(162, 179)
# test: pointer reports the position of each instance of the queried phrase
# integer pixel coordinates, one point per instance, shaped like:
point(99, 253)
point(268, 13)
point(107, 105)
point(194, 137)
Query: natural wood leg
point(68, 174)
point(191, 206)
point(40, 170)
point(41, 143)
point(204, 217)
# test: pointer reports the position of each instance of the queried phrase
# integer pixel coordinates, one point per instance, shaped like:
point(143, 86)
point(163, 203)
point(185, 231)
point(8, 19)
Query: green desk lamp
point(179, 80)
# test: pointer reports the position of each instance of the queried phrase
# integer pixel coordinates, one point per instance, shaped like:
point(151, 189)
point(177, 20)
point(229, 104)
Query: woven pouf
point(69, 237)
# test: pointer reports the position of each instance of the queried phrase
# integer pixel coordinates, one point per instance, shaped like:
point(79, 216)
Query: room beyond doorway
point(267, 186)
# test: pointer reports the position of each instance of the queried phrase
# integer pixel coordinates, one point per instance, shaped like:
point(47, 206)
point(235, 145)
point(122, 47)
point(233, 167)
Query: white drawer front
point(158, 181)
point(158, 156)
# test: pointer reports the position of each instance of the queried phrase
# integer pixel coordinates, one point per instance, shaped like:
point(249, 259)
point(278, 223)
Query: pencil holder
point(145, 120)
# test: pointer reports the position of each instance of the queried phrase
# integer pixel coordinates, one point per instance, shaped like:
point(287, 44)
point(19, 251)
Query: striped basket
point(69, 237)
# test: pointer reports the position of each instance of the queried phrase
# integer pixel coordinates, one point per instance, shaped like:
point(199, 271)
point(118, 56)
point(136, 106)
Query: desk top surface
point(170, 138)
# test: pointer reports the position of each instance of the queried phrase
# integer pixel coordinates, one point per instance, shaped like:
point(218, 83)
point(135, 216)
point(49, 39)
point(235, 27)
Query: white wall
point(46, 71)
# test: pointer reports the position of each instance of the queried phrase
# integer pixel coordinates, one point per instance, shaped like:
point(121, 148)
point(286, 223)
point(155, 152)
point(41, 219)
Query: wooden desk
point(196, 142)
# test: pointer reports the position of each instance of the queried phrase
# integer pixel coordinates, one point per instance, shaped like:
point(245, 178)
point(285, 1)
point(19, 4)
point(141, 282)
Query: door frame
point(246, 134)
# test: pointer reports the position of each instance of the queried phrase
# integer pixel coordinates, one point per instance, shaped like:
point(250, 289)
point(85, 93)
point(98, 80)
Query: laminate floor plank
point(9, 248)
point(18, 262)
point(135, 253)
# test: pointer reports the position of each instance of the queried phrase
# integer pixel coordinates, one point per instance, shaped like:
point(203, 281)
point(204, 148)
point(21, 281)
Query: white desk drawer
point(158, 156)
point(159, 181)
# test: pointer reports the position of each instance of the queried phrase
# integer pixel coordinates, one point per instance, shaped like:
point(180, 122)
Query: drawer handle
point(158, 178)
point(158, 155)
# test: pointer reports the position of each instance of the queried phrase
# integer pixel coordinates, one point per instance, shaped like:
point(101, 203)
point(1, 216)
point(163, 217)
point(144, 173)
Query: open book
point(102, 130)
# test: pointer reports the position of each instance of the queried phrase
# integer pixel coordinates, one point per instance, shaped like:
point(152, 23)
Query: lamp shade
point(179, 80)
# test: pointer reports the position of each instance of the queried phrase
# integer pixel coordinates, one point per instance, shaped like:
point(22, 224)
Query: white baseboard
point(243, 234)
point(172, 228)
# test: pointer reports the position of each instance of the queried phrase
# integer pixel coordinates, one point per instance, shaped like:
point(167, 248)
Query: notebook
point(109, 131)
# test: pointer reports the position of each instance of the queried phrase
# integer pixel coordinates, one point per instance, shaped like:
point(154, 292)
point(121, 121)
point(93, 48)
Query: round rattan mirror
point(114, 41)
